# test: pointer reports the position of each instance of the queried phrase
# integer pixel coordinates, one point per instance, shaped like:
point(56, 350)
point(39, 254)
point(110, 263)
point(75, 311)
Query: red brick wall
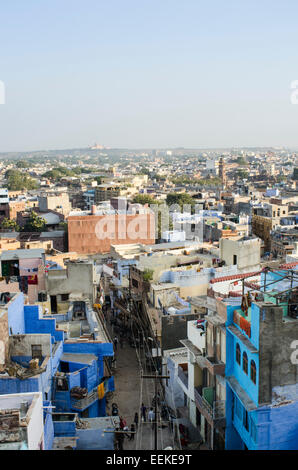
point(82, 236)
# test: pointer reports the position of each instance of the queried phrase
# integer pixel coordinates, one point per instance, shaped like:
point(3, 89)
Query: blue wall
point(236, 370)
point(269, 428)
point(48, 427)
point(278, 427)
point(33, 324)
point(14, 385)
point(16, 323)
point(64, 428)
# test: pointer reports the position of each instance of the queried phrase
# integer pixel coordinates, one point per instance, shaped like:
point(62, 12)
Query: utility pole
point(156, 377)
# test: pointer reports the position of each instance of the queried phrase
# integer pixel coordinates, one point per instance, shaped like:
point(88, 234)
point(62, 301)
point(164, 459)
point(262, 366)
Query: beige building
point(58, 202)
point(245, 253)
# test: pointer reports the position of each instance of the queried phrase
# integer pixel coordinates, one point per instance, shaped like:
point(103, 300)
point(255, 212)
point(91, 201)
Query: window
point(61, 384)
point(64, 297)
point(238, 408)
point(245, 362)
point(36, 351)
point(253, 430)
point(253, 372)
point(245, 419)
point(238, 354)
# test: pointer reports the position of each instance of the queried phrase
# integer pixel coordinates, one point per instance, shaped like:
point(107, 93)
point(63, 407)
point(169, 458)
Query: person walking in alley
point(126, 429)
point(143, 411)
point(136, 420)
point(132, 430)
point(115, 342)
point(122, 423)
point(119, 436)
point(151, 417)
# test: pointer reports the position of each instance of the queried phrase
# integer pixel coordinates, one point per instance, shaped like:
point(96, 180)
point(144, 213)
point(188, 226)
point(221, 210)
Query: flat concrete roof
point(243, 396)
point(79, 358)
point(22, 254)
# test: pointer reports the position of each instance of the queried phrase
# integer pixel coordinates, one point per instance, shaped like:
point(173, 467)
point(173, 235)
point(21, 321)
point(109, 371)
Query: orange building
point(96, 232)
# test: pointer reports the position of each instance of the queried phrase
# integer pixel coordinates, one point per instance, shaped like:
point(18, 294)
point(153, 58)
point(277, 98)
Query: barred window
point(253, 371)
point(245, 362)
point(238, 354)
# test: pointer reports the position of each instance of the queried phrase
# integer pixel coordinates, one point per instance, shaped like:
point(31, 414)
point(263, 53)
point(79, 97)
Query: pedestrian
point(126, 429)
point(136, 420)
point(132, 435)
point(119, 439)
point(151, 417)
point(115, 342)
point(122, 424)
point(143, 411)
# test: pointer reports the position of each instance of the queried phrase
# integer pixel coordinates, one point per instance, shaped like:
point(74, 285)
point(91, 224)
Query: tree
point(35, 223)
point(22, 164)
point(148, 275)
point(17, 181)
point(241, 161)
point(242, 174)
point(52, 174)
point(181, 199)
point(98, 179)
point(9, 224)
point(144, 199)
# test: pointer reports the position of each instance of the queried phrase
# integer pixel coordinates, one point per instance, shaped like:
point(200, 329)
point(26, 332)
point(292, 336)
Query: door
point(53, 304)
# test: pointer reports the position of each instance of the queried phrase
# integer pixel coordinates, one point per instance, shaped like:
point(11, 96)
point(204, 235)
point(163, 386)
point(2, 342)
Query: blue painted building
point(65, 364)
point(261, 377)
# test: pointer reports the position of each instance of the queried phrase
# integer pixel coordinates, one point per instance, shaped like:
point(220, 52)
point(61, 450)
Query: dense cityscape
point(149, 299)
point(148, 231)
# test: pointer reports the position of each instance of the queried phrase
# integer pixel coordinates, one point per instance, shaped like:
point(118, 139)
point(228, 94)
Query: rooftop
point(22, 254)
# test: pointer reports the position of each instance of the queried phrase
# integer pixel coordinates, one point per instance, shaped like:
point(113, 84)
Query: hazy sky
point(148, 73)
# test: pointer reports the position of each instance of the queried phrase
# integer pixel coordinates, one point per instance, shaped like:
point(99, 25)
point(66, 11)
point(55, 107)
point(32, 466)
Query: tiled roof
point(234, 277)
point(289, 265)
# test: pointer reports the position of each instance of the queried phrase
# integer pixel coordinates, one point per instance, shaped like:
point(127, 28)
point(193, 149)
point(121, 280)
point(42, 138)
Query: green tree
point(144, 199)
point(241, 161)
point(242, 174)
point(52, 174)
point(9, 225)
point(17, 181)
point(180, 198)
point(148, 274)
point(35, 223)
point(22, 164)
point(98, 179)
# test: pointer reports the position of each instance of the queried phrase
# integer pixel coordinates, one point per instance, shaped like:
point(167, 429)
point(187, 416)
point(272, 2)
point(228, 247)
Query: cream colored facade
point(246, 254)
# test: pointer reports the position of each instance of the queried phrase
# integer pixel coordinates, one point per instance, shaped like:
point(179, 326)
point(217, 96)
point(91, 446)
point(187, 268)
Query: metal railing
point(203, 403)
point(216, 411)
point(83, 403)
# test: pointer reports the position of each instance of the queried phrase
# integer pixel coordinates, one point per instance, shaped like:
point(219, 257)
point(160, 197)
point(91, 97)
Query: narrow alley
point(131, 390)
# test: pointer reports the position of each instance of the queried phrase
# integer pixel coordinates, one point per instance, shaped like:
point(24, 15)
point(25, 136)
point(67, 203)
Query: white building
point(21, 421)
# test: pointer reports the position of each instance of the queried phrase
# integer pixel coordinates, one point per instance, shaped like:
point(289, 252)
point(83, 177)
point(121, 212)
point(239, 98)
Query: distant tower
point(222, 172)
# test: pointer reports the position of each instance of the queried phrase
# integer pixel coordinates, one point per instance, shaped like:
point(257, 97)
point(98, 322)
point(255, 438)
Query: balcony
point(215, 366)
point(84, 403)
point(196, 335)
point(214, 411)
